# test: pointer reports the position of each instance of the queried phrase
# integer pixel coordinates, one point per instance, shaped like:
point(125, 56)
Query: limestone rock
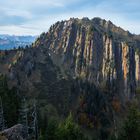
point(17, 132)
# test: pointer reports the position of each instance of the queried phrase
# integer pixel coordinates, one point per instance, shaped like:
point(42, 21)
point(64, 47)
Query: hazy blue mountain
point(12, 41)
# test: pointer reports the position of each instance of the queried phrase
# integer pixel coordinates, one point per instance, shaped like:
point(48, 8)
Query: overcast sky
point(22, 17)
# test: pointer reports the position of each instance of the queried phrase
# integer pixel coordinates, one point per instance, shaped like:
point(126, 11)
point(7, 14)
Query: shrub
point(131, 126)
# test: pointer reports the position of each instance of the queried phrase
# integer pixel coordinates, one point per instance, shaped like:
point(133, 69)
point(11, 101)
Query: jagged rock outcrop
point(95, 50)
point(17, 132)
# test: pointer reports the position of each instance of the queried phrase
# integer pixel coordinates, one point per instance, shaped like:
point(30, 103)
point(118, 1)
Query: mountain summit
point(95, 50)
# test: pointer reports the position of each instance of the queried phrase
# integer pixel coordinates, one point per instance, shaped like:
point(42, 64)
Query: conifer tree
point(131, 126)
point(23, 114)
point(33, 123)
point(2, 121)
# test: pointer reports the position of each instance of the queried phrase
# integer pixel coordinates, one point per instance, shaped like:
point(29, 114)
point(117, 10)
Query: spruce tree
point(131, 126)
point(23, 114)
point(2, 121)
point(33, 123)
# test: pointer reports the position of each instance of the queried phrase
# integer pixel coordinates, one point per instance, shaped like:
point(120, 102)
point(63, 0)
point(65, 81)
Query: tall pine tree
point(23, 114)
point(2, 121)
point(33, 123)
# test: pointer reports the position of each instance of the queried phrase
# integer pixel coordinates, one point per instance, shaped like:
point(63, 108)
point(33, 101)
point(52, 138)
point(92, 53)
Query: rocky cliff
point(95, 50)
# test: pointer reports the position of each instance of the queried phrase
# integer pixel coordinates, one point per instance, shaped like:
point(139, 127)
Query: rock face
point(17, 132)
point(97, 51)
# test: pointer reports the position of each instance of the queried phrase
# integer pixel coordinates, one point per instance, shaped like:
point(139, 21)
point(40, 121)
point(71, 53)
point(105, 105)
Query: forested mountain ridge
point(90, 68)
point(97, 51)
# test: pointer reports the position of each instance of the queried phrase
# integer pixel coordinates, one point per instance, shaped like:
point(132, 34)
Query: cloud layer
point(36, 16)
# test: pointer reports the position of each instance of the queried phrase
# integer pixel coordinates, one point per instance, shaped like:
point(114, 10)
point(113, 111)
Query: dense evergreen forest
point(15, 109)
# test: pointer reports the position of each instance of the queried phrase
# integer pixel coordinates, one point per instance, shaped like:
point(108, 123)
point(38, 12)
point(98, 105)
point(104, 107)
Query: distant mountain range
point(12, 41)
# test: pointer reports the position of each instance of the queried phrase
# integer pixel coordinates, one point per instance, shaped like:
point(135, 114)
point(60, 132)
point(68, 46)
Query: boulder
point(17, 132)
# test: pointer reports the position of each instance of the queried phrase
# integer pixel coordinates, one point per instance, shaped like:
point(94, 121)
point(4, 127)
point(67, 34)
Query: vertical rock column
point(108, 69)
point(137, 70)
point(125, 67)
point(128, 68)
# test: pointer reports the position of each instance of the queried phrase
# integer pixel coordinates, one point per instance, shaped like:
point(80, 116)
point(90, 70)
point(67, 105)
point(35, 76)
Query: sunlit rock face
point(95, 50)
point(137, 71)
